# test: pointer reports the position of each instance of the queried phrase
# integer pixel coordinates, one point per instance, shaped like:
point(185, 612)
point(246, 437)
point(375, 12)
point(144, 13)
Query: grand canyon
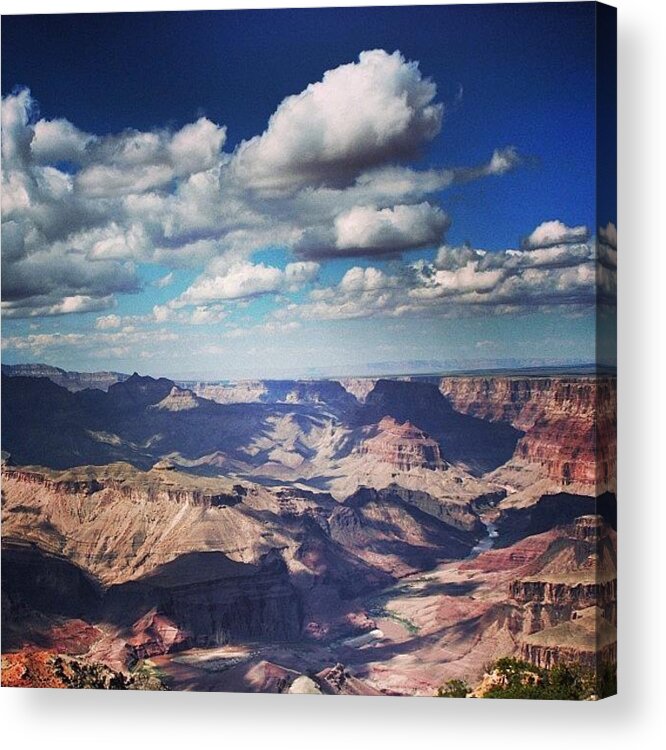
point(360, 536)
point(309, 351)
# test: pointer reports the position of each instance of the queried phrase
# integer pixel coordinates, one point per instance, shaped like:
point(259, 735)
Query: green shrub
point(522, 680)
point(454, 689)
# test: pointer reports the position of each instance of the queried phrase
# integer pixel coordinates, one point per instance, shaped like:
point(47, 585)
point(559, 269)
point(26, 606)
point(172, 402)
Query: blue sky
point(281, 193)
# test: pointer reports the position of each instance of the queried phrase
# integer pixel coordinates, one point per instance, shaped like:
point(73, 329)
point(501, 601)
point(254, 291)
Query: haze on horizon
point(385, 198)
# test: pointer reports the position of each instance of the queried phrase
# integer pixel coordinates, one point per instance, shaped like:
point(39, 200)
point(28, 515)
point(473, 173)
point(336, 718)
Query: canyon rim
point(308, 360)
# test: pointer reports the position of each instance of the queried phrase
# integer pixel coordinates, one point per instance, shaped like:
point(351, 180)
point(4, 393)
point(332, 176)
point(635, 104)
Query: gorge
point(372, 535)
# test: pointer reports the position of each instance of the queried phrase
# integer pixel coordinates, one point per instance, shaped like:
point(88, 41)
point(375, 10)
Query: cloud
point(172, 312)
point(607, 247)
point(69, 242)
point(16, 135)
point(164, 281)
point(245, 280)
point(163, 313)
point(77, 303)
point(464, 281)
point(360, 115)
point(608, 235)
point(60, 280)
point(467, 279)
point(298, 274)
point(108, 180)
point(108, 322)
point(383, 211)
point(242, 280)
point(115, 242)
point(136, 162)
point(203, 315)
point(387, 230)
point(59, 140)
point(96, 342)
point(45, 271)
point(551, 233)
point(503, 160)
point(607, 265)
point(365, 279)
point(197, 146)
point(332, 188)
point(451, 258)
point(362, 292)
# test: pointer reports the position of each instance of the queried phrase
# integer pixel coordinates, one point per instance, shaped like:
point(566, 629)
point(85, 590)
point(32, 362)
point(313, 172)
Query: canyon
point(354, 536)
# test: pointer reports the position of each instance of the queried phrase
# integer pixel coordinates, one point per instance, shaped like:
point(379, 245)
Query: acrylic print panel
point(309, 351)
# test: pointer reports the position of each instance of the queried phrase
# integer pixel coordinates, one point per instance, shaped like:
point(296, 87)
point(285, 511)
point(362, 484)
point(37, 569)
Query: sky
point(291, 193)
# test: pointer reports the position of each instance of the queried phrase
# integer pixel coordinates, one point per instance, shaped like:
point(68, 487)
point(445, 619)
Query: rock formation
point(250, 535)
point(179, 399)
point(402, 446)
point(569, 424)
point(587, 639)
point(389, 533)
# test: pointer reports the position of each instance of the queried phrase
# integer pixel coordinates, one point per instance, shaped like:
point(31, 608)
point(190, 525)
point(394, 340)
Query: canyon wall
point(569, 423)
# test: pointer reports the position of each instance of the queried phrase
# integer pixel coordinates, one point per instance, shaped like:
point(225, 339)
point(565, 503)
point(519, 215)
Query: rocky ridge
point(73, 381)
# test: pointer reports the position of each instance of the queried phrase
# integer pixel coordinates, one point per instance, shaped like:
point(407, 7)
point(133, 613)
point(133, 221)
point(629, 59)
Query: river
point(487, 542)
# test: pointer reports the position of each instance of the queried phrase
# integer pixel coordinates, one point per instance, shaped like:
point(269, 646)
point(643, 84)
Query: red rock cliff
point(403, 446)
point(569, 423)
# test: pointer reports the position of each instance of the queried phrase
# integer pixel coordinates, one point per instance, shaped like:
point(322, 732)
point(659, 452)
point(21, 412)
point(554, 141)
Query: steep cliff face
point(577, 571)
point(588, 639)
point(565, 611)
point(159, 485)
point(569, 423)
point(151, 566)
point(120, 524)
point(560, 509)
point(561, 427)
point(358, 387)
point(179, 399)
point(391, 534)
point(212, 599)
point(478, 445)
point(522, 401)
point(560, 600)
point(242, 392)
point(544, 604)
point(183, 559)
point(402, 446)
point(34, 580)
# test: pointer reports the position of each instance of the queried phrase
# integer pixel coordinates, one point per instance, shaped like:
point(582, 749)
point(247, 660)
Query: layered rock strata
point(569, 423)
point(403, 446)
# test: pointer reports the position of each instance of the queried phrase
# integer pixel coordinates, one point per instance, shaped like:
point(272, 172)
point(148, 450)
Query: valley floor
point(416, 646)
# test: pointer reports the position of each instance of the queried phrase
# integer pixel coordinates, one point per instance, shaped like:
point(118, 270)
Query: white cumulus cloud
point(244, 280)
point(389, 229)
point(555, 233)
point(108, 322)
point(359, 115)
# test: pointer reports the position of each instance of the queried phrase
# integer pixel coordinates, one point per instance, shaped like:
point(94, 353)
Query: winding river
point(487, 542)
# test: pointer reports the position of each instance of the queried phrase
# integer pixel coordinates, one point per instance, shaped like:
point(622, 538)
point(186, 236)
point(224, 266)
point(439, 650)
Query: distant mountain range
point(73, 381)
point(102, 380)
